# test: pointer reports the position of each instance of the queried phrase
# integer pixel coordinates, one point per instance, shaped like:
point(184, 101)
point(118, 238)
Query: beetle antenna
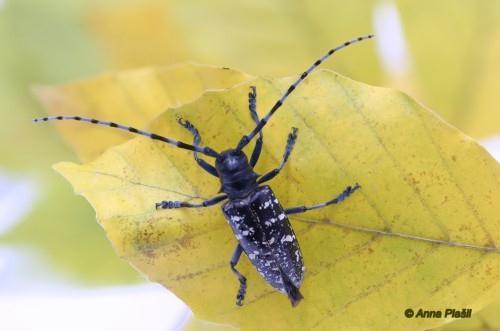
point(204, 150)
point(247, 138)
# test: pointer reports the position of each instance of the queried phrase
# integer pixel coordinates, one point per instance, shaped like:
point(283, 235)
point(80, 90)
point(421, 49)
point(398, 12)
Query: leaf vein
point(394, 161)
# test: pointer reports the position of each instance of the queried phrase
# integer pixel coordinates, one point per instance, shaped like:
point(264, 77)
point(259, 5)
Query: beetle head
point(231, 161)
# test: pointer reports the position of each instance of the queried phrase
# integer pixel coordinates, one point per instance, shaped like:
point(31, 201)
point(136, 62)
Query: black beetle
point(258, 220)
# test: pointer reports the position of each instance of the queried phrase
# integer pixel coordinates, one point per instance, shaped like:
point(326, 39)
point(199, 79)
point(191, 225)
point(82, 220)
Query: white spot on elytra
point(281, 217)
point(288, 238)
point(245, 233)
point(235, 218)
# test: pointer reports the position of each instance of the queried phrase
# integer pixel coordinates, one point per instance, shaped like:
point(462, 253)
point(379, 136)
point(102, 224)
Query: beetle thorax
point(237, 177)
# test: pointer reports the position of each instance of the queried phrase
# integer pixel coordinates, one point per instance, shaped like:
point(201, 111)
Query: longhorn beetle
point(257, 219)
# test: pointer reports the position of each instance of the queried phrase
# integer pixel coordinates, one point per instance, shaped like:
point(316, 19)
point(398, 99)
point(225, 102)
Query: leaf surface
point(486, 319)
point(421, 232)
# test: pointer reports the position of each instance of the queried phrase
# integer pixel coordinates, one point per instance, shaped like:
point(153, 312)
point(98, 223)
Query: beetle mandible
point(257, 219)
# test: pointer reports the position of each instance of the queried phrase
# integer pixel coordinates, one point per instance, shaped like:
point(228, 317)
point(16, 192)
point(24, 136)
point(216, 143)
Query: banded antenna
point(247, 138)
point(204, 150)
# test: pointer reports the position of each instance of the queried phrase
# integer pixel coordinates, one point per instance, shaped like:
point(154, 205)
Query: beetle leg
point(168, 204)
point(243, 281)
point(292, 137)
point(252, 105)
point(197, 140)
point(341, 197)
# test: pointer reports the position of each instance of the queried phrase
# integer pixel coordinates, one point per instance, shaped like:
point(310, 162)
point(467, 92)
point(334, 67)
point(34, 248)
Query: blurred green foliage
point(44, 42)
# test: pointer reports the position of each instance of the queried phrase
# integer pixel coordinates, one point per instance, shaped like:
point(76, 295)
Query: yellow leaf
point(137, 95)
point(194, 324)
point(422, 232)
point(486, 319)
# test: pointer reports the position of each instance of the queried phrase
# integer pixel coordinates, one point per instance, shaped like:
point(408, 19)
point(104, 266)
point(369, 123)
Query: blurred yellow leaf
point(137, 96)
point(135, 33)
point(456, 50)
point(415, 236)
point(453, 46)
point(266, 38)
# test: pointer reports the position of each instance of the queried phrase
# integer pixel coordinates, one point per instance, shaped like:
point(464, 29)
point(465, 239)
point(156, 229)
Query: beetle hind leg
point(243, 281)
point(170, 204)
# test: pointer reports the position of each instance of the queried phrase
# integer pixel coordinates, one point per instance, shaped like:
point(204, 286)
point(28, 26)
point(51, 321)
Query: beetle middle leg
point(169, 204)
point(197, 140)
point(341, 197)
point(292, 137)
point(243, 281)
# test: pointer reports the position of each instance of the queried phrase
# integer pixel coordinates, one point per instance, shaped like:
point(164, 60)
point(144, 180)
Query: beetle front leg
point(292, 137)
point(252, 106)
point(341, 197)
point(169, 204)
point(197, 141)
point(243, 281)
